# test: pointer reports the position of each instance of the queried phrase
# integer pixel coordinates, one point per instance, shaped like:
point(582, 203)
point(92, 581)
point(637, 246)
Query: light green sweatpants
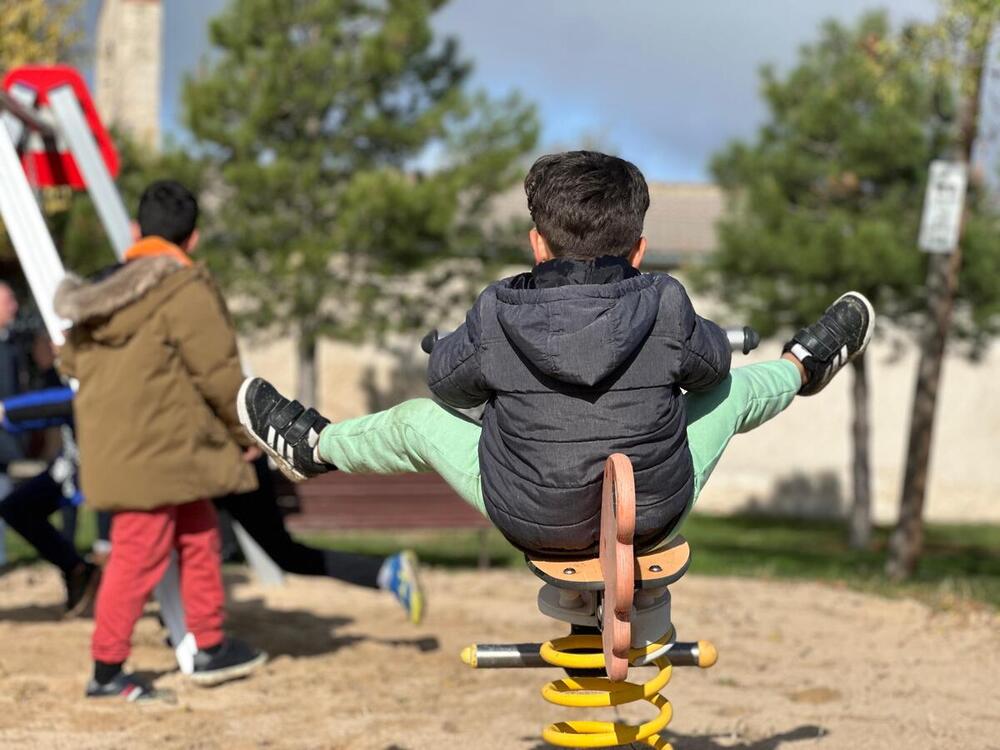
point(420, 435)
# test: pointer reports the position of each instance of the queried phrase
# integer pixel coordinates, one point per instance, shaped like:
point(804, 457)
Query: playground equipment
point(618, 607)
point(51, 132)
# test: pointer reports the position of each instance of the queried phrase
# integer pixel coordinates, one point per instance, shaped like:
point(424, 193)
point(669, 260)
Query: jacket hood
point(578, 333)
point(106, 303)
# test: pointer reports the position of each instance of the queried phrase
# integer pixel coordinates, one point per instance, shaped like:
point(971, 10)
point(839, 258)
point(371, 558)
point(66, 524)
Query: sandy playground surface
point(801, 666)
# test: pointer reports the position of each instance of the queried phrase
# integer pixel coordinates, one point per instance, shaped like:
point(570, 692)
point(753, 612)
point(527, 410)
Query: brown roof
point(680, 224)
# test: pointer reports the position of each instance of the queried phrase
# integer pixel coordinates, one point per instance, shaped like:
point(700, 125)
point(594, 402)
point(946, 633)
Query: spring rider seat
point(621, 603)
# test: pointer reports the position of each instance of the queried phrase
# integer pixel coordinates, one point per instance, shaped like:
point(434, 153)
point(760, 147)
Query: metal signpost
point(944, 203)
point(940, 234)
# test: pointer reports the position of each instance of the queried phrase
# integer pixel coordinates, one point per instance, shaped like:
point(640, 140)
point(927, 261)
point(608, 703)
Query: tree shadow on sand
point(302, 632)
point(280, 632)
point(283, 632)
point(33, 613)
point(775, 742)
point(725, 741)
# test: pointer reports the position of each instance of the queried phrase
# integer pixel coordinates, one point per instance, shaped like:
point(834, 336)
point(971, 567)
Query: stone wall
point(128, 67)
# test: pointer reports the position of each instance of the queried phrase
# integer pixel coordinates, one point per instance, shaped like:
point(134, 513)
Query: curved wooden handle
point(617, 563)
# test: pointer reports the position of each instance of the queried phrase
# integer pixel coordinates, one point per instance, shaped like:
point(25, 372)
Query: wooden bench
point(395, 502)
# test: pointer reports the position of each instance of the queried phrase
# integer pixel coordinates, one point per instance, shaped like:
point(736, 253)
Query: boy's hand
point(251, 454)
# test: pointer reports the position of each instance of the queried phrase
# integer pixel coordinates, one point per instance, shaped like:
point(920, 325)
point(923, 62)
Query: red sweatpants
point(141, 543)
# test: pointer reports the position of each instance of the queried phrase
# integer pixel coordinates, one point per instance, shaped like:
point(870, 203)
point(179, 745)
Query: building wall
point(128, 67)
point(798, 464)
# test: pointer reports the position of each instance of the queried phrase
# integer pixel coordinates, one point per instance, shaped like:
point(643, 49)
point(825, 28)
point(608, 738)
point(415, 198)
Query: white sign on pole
point(943, 206)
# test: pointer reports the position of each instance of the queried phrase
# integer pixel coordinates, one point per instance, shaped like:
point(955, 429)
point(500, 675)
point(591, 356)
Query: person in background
point(46, 444)
point(154, 351)
point(11, 372)
point(27, 509)
point(46, 411)
point(258, 513)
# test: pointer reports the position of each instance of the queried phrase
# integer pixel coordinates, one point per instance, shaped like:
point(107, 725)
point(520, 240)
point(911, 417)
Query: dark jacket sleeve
point(200, 327)
point(706, 354)
point(453, 373)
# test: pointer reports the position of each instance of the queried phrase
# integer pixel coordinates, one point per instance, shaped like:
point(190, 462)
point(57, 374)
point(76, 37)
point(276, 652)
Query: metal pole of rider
point(940, 235)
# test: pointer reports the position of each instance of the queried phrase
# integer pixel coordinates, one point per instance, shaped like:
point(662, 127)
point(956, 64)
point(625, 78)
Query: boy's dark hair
point(169, 210)
point(587, 204)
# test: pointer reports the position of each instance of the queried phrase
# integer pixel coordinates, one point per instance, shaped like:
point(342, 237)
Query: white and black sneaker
point(128, 687)
point(230, 660)
point(841, 334)
point(285, 429)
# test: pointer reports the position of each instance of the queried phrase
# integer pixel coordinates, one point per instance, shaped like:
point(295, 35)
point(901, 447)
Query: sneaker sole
point(871, 322)
point(159, 698)
point(235, 672)
point(420, 603)
point(280, 461)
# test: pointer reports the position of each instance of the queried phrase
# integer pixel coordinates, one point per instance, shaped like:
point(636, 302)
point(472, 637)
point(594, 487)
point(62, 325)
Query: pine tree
point(961, 43)
point(829, 195)
point(315, 115)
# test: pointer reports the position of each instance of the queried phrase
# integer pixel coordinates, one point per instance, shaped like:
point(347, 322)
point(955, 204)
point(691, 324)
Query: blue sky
point(664, 83)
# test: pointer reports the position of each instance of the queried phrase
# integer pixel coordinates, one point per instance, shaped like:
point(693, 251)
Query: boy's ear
point(539, 247)
point(135, 231)
point(636, 256)
point(191, 242)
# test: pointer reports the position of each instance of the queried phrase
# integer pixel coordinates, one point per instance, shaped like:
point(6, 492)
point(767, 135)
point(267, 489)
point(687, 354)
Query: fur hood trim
point(79, 300)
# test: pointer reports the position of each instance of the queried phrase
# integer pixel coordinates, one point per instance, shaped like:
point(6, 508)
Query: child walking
point(27, 510)
point(579, 358)
point(155, 355)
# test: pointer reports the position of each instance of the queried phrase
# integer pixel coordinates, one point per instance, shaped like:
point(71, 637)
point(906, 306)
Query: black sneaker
point(125, 686)
point(841, 334)
point(285, 429)
point(81, 589)
point(230, 660)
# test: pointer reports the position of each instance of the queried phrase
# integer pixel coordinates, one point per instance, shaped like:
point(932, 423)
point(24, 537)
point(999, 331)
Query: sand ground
point(801, 666)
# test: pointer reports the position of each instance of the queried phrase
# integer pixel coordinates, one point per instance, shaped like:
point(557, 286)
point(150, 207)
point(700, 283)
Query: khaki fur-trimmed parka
point(154, 351)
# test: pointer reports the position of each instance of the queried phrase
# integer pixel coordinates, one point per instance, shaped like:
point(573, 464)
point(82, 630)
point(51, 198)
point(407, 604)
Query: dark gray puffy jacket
point(575, 361)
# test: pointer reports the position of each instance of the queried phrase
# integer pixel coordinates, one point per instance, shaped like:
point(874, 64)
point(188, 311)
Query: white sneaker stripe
point(800, 352)
point(271, 434)
point(280, 445)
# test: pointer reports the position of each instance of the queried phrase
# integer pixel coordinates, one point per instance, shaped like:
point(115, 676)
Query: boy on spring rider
point(581, 357)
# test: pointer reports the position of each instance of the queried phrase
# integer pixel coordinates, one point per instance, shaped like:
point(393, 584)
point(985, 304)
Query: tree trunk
point(305, 389)
point(907, 541)
point(860, 531)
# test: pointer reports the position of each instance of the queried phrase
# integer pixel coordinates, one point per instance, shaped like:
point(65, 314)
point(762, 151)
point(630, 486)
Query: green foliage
point(38, 31)
point(315, 116)
point(829, 196)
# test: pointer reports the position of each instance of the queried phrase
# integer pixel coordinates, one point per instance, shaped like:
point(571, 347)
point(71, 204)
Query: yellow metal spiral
point(593, 692)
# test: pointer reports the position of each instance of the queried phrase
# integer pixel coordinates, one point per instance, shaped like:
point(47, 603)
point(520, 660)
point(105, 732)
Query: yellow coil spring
point(593, 692)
